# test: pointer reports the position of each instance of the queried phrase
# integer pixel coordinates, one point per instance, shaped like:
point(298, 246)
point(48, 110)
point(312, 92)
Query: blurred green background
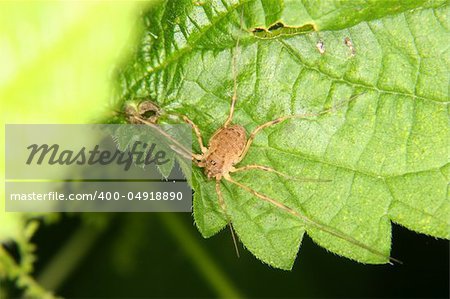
point(163, 255)
point(56, 61)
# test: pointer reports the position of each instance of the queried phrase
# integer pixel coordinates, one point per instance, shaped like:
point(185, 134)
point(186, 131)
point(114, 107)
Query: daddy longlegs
point(229, 145)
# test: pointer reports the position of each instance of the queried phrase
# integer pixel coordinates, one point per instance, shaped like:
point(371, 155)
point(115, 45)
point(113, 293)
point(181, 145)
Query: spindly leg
point(194, 157)
point(234, 70)
point(178, 147)
point(269, 169)
point(284, 118)
point(224, 209)
point(233, 102)
point(197, 133)
point(310, 222)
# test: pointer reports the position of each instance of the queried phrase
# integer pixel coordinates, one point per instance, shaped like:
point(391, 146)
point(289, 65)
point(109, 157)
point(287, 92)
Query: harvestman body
point(229, 145)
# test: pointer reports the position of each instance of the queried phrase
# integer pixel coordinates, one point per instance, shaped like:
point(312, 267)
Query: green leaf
point(386, 152)
point(55, 60)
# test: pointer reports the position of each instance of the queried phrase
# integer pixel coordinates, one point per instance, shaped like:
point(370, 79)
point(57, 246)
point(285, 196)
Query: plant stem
point(67, 259)
point(204, 262)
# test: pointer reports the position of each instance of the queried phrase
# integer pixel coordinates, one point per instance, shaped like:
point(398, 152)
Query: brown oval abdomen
point(224, 149)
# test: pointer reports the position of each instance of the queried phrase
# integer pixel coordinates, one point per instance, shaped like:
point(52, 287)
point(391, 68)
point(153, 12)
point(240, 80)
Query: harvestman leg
point(234, 97)
point(230, 115)
point(284, 118)
point(226, 124)
point(218, 191)
point(232, 106)
point(197, 133)
point(309, 221)
point(224, 209)
point(269, 169)
point(179, 148)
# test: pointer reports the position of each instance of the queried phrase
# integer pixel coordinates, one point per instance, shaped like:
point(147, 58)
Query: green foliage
point(55, 63)
point(386, 152)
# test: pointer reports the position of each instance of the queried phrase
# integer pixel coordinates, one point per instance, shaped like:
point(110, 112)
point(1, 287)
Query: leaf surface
point(386, 152)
